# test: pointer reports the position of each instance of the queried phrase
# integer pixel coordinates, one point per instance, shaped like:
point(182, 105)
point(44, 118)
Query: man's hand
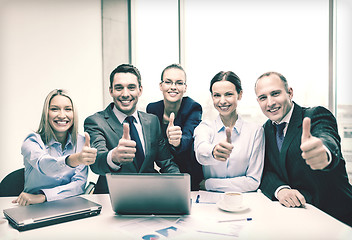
point(25, 199)
point(173, 133)
point(291, 198)
point(223, 150)
point(126, 149)
point(313, 150)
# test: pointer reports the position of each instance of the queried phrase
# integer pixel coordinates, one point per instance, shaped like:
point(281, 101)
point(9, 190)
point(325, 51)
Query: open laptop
point(48, 213)
point(150, 194)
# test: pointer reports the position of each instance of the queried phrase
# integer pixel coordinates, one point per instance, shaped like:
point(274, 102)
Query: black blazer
point(105, 131)
point(188, 118)
point(327, 189)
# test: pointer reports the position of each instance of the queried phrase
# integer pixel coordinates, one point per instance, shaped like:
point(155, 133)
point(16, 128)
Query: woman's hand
point(86, 156)
point(223, 149)
point(25, 199)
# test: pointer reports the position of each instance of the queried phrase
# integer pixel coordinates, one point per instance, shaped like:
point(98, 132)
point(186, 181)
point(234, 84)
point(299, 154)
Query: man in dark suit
point(127, 140)
point(303, 159)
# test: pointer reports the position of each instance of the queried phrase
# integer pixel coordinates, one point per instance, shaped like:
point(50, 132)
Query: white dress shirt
point(46, 170)
point(242, 171)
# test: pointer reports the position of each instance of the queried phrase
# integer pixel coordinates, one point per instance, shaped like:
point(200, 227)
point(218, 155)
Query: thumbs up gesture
point(87, 155)
point(173, 133)
point(223, 150)
point(126, 149)
point(313, 150)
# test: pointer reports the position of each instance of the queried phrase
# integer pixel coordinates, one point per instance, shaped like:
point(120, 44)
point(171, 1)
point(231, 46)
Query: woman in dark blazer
point(179, 116)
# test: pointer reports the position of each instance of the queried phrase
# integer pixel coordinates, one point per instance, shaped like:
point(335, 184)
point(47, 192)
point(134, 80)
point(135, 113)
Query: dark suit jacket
point(105, 131)
point(188, 118)
point(327, 189)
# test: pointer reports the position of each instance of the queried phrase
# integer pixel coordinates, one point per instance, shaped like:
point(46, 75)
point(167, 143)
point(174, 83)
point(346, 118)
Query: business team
point(294, 158)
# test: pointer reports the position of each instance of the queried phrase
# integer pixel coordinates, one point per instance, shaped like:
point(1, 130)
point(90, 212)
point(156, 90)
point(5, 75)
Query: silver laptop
point(48, 213)
point(150, 194)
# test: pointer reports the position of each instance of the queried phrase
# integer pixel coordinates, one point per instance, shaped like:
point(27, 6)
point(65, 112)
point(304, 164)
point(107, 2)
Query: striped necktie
point(280, 134)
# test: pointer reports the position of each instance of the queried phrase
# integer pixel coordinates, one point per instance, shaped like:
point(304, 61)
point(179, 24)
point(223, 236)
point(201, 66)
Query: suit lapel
point(294, 128)
point(275, 157)
point(145, 122)
point(112, 120)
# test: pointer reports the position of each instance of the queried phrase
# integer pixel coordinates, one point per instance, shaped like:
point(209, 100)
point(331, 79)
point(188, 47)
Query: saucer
point(223, 207)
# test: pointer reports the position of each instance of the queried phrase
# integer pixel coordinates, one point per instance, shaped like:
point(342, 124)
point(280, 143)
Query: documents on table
point(211, 226)
point(152, 227)
point(207, 197)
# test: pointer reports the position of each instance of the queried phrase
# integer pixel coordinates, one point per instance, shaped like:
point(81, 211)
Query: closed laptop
point(150, 194)
point(48, 213)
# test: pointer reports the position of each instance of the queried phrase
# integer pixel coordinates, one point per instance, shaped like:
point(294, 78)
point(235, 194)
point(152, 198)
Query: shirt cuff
point(62, 161)
point(329, 154)
point(204, 154)
point(111, 164)
point(279, 188)
point(50, 194)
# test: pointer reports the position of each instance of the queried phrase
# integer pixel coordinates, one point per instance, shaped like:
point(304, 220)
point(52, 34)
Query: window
point(250, 37)
point(343, 77)
point(155, 43)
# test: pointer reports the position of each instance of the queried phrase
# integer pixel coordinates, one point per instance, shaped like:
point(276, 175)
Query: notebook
point(48, 213)
point(150, 194)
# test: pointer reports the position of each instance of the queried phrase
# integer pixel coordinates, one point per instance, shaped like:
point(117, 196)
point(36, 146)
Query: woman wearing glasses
point(230, 149)
point(178, 116)
point(56, 156)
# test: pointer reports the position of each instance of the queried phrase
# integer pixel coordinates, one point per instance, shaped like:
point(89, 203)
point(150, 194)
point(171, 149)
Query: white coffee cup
point(233, 199)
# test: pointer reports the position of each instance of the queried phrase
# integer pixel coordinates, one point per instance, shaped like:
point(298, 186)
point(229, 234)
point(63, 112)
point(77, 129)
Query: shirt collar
point(122, 116)
point(219, 125)
point(54, 142)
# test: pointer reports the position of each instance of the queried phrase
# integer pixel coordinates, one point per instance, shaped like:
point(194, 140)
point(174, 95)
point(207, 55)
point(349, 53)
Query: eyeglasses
point(177, 83)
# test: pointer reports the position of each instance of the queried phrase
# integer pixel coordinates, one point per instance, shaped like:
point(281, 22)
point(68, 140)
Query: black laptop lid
point(146, 194)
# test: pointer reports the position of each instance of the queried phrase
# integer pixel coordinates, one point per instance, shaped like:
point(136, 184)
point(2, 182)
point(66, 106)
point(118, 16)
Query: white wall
point(45, 44)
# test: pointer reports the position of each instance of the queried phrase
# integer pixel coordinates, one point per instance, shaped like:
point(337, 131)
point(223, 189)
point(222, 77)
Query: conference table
point(261, 219)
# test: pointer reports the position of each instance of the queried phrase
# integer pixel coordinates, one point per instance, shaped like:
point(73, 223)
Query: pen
point(235, 220)
point(197, 200)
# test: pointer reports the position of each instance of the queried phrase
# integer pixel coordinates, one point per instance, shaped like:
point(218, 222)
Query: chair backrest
point(12, 184)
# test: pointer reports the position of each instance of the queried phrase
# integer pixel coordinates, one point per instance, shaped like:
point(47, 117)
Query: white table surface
point(270, 220)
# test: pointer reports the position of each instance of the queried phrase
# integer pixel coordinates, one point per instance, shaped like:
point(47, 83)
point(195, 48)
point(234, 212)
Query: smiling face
point(173, 85)
point(125, 92)
point(60, 115)
point(274, 100)
point(225, 97)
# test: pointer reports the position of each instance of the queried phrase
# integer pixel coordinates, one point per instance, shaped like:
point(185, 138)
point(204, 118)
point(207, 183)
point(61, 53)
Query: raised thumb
point(171, 120)
point(126, 131)
point(228, 134)
point(305, 129)
point(87, 143)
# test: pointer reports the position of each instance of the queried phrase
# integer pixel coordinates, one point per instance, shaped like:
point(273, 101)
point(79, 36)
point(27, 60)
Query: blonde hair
point(45, 130)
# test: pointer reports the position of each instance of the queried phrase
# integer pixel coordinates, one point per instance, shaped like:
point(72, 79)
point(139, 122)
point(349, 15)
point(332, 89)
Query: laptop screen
point(148, 193)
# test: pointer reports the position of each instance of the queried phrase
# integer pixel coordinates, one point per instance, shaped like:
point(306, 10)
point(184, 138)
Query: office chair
point(12, 184)
point(90, 188)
